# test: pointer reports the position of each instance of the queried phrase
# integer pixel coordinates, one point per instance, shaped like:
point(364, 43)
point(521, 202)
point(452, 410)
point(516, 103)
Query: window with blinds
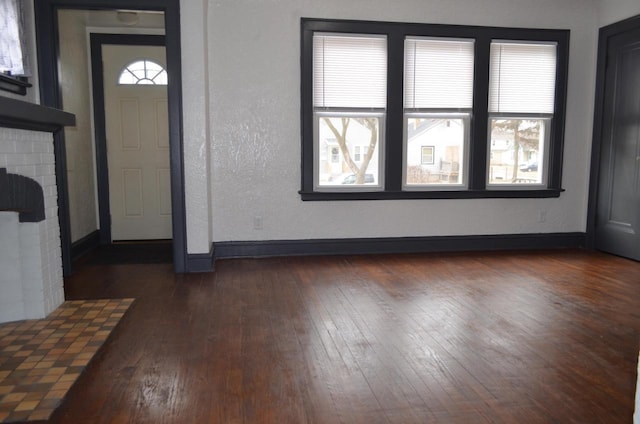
point(349, 100)
point(394, 110)
point(438, 98)
point(522, 84)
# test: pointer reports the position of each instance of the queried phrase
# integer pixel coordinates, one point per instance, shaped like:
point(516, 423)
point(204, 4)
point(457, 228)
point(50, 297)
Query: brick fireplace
point(31, 284)
point(30, 254)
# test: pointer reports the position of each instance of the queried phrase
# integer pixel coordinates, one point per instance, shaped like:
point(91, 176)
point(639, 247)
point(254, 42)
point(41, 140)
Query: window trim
point(392, 168)
point(14, 84)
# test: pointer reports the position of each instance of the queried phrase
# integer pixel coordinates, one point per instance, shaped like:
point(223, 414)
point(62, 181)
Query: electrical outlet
point(542, 216)
point(257, 223)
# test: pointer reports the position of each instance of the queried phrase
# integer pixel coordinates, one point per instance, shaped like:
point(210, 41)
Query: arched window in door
point(143, 72)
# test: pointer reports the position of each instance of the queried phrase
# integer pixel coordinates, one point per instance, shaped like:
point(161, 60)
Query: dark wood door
point(618, 206)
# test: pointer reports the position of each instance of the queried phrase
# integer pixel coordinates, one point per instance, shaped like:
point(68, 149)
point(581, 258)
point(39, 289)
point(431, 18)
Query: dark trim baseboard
point(248, 249)
point(85, 244)
point(201, 262)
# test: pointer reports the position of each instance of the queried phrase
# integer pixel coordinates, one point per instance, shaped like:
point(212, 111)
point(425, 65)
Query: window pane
point(435, 150)
point(127, 77)
point(349, 71)
point(522, 77)
point(143, 72)
point(152, 68)
point(516, 151)
point(161, 78)
point(339, 136)
point(438, 73)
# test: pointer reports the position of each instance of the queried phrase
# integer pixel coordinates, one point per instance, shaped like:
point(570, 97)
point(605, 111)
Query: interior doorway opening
point(131, 14)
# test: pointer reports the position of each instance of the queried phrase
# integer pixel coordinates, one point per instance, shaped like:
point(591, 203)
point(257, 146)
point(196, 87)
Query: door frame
point(97, 40)
point(605, 35)
point(48, 51)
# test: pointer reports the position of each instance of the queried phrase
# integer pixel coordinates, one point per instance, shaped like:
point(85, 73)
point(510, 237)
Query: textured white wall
point(611, 11)
point(254, 60)
point(75, 84)
point(195, 103)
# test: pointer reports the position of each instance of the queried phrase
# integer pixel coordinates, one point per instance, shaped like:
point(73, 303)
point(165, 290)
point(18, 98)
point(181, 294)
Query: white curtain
point(12, 45)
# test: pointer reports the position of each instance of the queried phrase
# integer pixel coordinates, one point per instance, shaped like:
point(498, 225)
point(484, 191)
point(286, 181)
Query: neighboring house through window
point(414, 93)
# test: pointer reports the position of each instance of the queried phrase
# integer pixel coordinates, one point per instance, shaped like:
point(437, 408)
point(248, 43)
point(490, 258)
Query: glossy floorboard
point(526, 337)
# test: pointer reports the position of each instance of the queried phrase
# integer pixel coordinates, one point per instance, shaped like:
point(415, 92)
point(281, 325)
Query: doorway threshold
point(133, 252)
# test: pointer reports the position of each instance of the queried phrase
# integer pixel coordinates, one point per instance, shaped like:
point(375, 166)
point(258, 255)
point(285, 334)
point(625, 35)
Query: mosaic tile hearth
point(41, 359)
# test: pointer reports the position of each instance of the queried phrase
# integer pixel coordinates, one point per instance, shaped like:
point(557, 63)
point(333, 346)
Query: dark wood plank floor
point(525, 337)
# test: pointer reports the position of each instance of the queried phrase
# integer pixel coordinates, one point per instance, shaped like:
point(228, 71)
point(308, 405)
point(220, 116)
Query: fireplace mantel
point(30, 116)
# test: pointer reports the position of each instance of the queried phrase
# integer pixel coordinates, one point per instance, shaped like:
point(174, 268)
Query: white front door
point(137, 146)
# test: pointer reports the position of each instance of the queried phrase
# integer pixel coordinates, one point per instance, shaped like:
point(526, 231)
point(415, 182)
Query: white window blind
point(522, 77)
point(349, 71)
point(438, 73)
point(12, 46)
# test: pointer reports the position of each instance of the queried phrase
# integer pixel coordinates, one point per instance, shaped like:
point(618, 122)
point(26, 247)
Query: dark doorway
point(615, 181)
point(48, 49)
